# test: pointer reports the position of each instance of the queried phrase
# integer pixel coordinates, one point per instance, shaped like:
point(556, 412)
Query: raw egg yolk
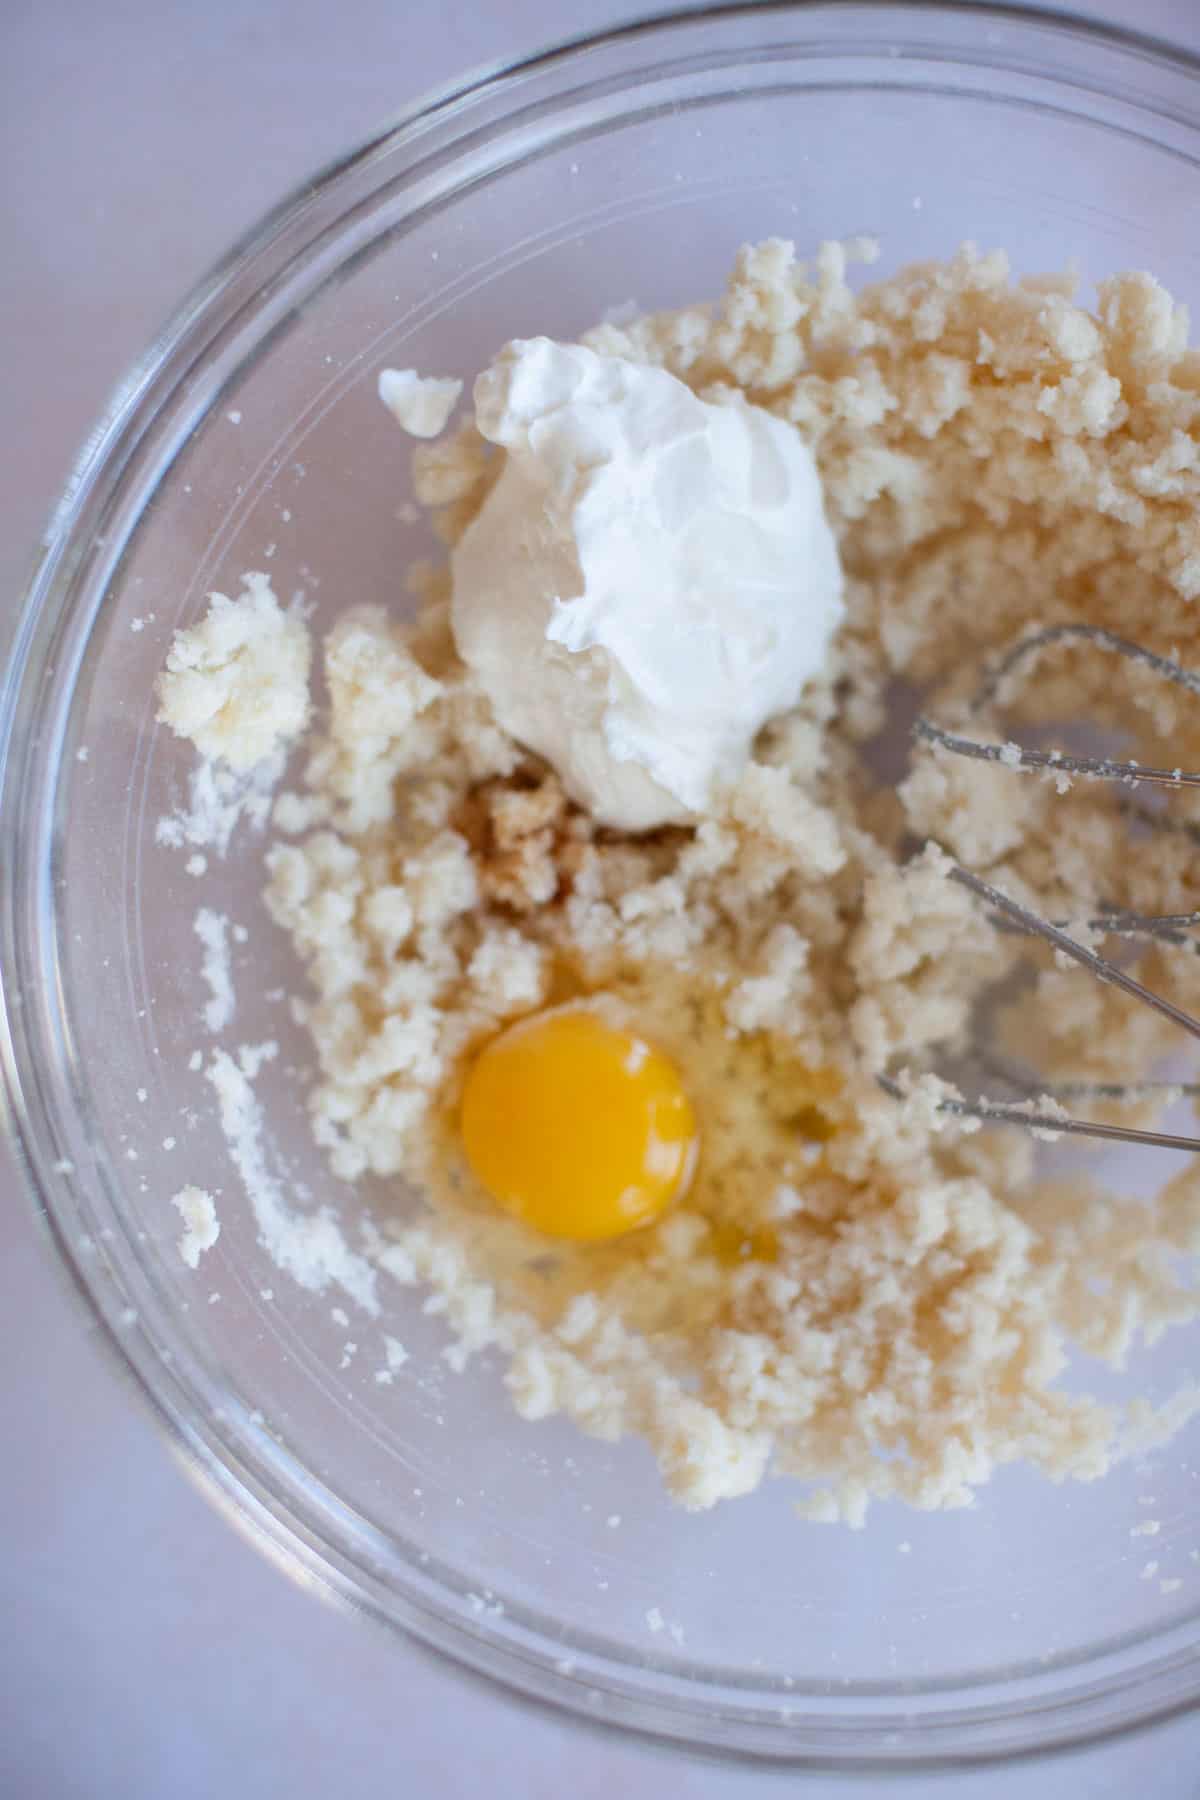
point(577, 1127)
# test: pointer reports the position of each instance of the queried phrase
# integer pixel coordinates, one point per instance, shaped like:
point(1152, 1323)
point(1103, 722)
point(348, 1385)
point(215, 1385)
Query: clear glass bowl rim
point(45, 646)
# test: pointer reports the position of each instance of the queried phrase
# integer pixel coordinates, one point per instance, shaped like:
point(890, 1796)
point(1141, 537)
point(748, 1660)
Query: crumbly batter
point(201, 1227)
point(858, 1293)
point(420, 404)
point(237, 683)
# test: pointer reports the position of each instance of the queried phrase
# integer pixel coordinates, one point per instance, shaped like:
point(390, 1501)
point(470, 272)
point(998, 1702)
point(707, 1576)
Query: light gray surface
point(147, 1651)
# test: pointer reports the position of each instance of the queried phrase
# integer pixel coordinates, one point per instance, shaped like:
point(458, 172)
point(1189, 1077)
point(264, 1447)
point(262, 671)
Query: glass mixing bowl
point(530, 200)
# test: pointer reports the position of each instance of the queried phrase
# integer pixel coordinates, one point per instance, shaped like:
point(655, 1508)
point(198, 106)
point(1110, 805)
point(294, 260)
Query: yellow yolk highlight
point(577, 1127)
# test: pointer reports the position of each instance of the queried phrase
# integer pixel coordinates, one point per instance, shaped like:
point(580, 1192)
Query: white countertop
point(146, 1651)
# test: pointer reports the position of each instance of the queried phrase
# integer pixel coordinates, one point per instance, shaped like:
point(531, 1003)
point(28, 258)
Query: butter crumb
point(420, 404)
point(201, 1225)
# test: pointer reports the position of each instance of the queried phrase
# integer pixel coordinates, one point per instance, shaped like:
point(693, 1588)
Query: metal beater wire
point(996, 1113)
point(1098, 966)
point(1104, 767)
point(1165, 927)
